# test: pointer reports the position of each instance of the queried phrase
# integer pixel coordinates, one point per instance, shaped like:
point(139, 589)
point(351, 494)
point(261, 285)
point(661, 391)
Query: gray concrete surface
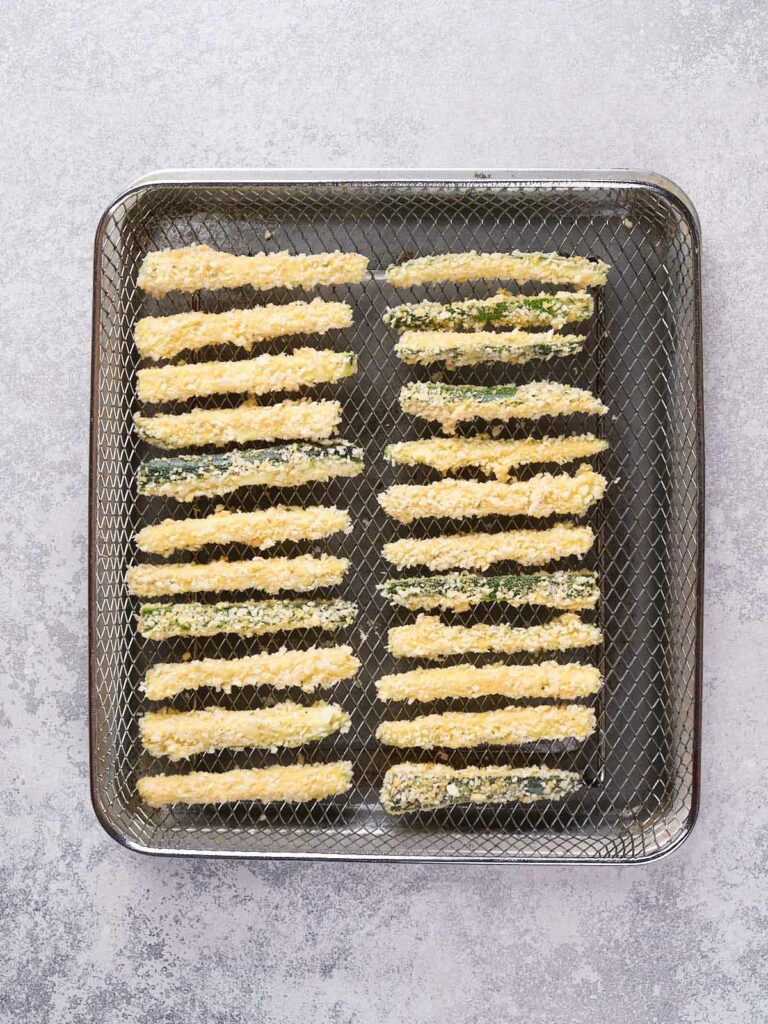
point(94, 94)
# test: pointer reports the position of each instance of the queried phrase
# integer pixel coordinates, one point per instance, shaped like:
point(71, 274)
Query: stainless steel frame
point(644, 356)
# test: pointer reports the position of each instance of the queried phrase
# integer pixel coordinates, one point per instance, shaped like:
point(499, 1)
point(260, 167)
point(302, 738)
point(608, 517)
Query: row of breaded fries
point(428, 334)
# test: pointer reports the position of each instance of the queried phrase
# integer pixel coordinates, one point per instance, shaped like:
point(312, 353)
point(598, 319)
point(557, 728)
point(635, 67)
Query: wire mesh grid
point(641, 357)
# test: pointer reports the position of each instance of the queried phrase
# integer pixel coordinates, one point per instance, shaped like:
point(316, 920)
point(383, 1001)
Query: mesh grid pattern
point(641, 357)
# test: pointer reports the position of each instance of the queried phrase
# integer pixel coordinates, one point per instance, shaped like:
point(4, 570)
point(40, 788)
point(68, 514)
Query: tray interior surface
point(639, 769)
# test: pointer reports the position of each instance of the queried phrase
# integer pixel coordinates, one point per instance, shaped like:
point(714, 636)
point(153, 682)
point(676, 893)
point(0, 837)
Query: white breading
point(506, 266)
point(163, 337)
point(304, 367)
point(244, 618)
point(308, 670)
point(256, 529)
point(270, 575)
point(469, 349)
point(287, 421)
point(428, 637)
point(546, 680)
point(492, 456)
point(451, 404)
point(480, 550)
point(199, 266)
point(512, 725)
point(296, 783)
point(543, 495)
point(179, 734)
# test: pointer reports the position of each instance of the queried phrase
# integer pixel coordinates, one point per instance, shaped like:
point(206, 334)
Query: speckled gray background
point(94, 94)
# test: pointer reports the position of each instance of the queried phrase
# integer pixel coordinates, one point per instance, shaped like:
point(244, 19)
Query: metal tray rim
point(665, 188)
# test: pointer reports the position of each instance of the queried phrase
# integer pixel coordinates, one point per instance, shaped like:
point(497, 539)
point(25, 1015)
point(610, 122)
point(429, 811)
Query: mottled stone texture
point(95, 94)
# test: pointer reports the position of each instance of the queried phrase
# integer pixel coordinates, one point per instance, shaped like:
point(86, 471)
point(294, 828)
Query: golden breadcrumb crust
point(179, 734)
point(199, 266)
point(296, 783)
point(480, 550)
point(287, 421)
point(256, 529)
point(545, 680)
point(512, 725)
point(305, 367)
point(271, 575)
point(543, 495)
point(163, 337)
point(428, 637)
point(308, 670)
point(520, 267)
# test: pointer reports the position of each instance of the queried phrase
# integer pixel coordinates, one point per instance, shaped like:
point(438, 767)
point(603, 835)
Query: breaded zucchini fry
point(257, 529)
point(271, 575)
point(428, 637)
point(548, 267)
point(296, 783)
point(246, 618)
point(542, 495)
point(179, 734)
point(199, 266)
point(490, 456)
point(512, 725)
point(305, 367)
point(301, 420)
point(309, 670)
point(427, 787)
point(186, 477)
point(480, 550)
point(500, 310)
point(545, 680)
point(517, 347)
point(459, 591)
point(163, 337)
point(451, 404)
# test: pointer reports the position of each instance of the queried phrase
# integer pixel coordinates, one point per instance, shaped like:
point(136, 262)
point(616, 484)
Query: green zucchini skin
point(501, 310)
point(246, 618)
point(188, 476)
point(456, 355)
point(460, 590)
point(414, 787)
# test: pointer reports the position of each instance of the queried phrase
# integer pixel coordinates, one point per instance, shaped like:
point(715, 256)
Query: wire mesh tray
point(642, 357)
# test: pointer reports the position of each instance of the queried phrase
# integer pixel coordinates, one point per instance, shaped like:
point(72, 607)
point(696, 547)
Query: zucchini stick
point(308, 670)
point(305, 367)
point(490, 456)
point(428, 637)
point(163, 337)
point(425, 347)
point(256, 529)
point(460, 591)
point(542, 495)
point(480, 550)
point(500, 310)
point(512, 725)
point(186, 477)
point(545, 680)
point(199, 266)
point(548, 267)
point(451, 404)
point(271, 575)
point(246, 618)
point(179, 734)
point(295, 783)
point(300, 420)
point(427, 787)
